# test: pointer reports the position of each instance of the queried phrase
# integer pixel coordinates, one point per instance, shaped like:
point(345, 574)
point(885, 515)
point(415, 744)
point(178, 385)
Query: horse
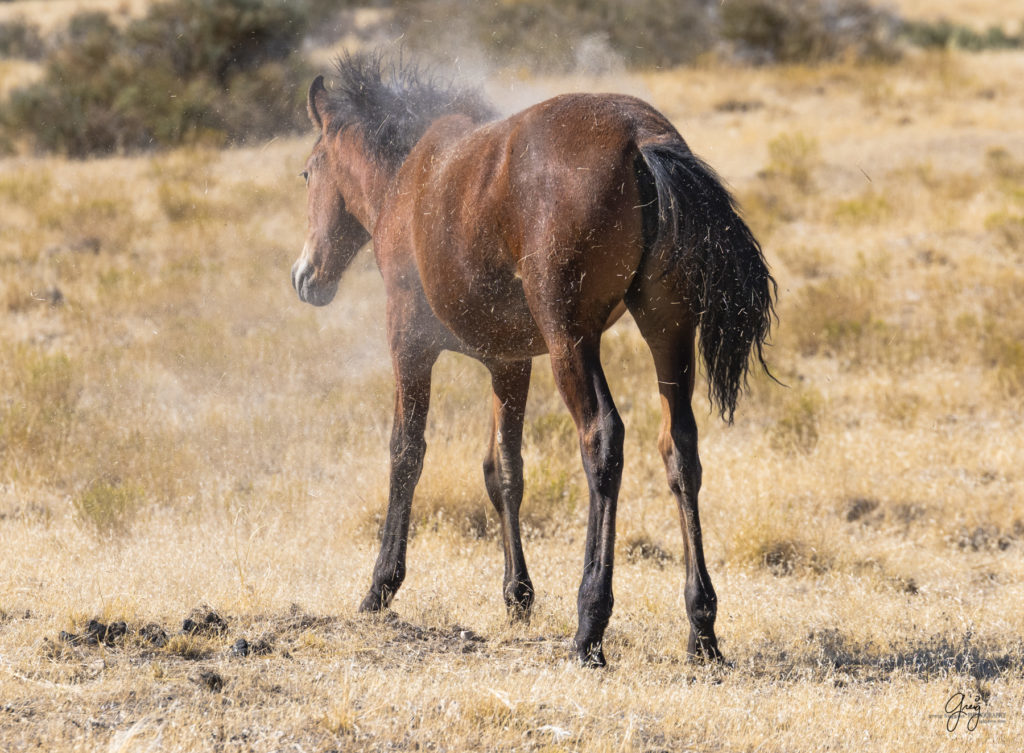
point(509, 238)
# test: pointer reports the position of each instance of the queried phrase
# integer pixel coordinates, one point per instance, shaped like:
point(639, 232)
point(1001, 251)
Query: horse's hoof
point(519, 608)
point(711, 658)
point(591, 657)
point(518, 614)
point(374, 602)
point(519, 602)
point(704, 649)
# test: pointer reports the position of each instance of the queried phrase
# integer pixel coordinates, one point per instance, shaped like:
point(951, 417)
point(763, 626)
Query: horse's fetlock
point(702, 614)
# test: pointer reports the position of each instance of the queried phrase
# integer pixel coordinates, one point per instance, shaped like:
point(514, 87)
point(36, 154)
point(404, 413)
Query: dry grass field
point(181, 438)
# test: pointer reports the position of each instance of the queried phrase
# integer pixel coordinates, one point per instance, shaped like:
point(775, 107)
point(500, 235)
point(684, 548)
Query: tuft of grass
point(1002, 164)
point(554, 495)
point(108, 506)
point(797, 418)
point(836, 317)
point(470, 516)
point(41, 393)
point(25, 187)
point(794, 157)
point(640, 546)
point(790, 557)
point(340, 719)
point(784, 541)
point(185, 178)
point(808, 262)
point(549, 431)
point(901, 409)
point(869, 207)
point(1004, 352)
point(487, 710)
point(1001, 333)
point(1008, 228)
point(189, 646)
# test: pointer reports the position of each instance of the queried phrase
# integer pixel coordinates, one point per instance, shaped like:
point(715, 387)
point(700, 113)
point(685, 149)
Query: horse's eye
point(305, 176)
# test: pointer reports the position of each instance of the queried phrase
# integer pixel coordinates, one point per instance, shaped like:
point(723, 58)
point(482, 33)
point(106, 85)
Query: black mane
point(393, 104)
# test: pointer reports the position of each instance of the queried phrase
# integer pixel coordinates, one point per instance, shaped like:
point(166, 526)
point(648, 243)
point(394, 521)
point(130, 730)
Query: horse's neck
point(374, 184)
point(367, 182)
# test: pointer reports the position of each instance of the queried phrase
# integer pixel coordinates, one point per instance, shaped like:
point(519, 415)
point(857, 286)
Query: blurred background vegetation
point(214, 73)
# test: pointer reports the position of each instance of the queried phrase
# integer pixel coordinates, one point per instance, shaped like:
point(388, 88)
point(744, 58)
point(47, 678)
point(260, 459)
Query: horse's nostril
point(299, 274)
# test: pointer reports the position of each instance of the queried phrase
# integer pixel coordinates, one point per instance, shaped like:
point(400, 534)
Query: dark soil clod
point(116, 630)
point(95, 634)
point(210, 680)
point(242, 648)
point(206, 621)
point(154, 634)
point(859, 507)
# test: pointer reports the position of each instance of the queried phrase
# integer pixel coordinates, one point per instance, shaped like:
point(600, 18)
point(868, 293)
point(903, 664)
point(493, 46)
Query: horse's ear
point(315, 89)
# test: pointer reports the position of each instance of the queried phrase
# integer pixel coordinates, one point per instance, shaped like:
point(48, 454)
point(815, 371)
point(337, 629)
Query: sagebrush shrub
point(807, 31)
point(189, 71)
point(20, 39)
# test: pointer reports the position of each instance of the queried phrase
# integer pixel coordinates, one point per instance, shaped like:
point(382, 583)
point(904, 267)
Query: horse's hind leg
point(670, 336)
point(503, 474)
point(412, 399)
point(576, 364)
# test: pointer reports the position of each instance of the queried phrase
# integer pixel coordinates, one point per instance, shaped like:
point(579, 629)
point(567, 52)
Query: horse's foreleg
point(580, 379)
point(503, 475)
point(412, 399)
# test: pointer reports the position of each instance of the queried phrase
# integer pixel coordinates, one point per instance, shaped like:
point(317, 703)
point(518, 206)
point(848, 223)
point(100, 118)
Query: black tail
point(726, 279)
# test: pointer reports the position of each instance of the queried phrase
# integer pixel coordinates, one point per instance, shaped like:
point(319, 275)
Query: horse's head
point(333, 235)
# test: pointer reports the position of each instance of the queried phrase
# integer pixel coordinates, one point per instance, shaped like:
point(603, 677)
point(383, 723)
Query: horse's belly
point(487, 312)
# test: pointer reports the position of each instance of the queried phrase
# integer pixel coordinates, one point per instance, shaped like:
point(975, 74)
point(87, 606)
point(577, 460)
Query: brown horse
point(507, 239)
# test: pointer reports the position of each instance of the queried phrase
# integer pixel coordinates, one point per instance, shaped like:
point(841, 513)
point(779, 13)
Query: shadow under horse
point(504, 239)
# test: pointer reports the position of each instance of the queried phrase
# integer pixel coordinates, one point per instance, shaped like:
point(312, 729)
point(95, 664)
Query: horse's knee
point(682, 462)
point(602, 441)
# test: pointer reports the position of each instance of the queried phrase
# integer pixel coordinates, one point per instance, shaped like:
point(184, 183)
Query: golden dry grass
point(176, 429)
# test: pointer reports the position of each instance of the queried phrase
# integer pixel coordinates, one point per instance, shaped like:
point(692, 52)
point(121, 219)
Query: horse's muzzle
point(304, 282)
